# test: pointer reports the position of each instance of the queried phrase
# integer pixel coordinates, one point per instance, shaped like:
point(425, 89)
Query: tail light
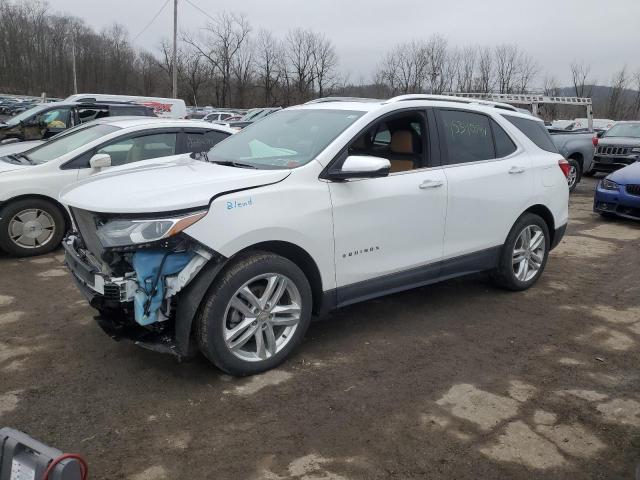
point(594, 140)
point(564, 166)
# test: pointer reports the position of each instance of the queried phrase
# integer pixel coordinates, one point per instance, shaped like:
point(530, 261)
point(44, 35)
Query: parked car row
point(32, 219)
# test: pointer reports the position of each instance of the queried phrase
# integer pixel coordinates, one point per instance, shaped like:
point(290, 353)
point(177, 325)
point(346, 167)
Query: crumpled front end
point(138, 289)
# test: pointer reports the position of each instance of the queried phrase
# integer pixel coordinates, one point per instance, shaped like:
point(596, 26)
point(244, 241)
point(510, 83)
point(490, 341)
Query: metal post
point(175, 49)
point(73, 64)
point(590, 116)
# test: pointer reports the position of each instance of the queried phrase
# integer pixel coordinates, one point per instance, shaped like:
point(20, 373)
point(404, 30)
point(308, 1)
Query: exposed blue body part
point(621, 196)
point(151, 267)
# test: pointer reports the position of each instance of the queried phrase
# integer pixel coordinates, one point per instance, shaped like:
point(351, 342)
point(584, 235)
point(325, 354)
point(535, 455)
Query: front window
point(286, 139)
point(624, 130)
point(64, 144)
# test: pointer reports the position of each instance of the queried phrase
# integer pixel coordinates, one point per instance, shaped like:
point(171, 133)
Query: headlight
point(120, 232)
point(607, 184)
point(635, 150)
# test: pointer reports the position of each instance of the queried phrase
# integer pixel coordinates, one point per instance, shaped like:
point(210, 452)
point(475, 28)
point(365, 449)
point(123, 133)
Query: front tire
point(255, 314)
point(30, 227)
point(524, 254)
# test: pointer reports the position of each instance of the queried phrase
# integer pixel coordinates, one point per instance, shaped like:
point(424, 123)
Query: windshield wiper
point(228, 163)
point(22, 155)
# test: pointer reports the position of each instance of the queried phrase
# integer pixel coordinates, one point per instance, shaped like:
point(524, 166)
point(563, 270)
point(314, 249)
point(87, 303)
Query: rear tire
point(524, 255)
point(255, 314)
point(575, 174)
point(30, 227)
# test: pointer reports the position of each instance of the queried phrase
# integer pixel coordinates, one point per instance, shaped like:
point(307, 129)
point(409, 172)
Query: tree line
point(230, 64)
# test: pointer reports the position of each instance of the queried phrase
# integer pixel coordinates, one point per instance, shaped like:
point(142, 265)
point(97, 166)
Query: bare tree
point(269, 57)
point(325, 61)
point(299, 53)
point(466, 70)
point(616, 108)
point(484, 80)
point(404, 68)
point(582, 84)
point(221, 42)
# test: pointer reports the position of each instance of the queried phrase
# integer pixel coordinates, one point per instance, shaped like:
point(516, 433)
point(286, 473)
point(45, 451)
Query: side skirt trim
point(413, 278)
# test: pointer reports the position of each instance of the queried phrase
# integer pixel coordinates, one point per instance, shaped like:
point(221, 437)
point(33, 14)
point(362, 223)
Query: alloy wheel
point(528, 253)
point(261, 317)
point(31, 228)
point(572, 176)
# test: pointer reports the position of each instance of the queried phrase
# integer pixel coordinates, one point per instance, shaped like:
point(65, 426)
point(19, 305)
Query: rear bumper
point(616, 202)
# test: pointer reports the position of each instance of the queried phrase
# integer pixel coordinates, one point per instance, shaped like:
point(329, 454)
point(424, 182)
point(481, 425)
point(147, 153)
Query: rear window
point(503, 142)
point(535, 131)
point(130, 111)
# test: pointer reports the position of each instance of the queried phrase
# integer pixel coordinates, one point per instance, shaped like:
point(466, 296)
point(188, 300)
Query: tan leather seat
point(401, 144)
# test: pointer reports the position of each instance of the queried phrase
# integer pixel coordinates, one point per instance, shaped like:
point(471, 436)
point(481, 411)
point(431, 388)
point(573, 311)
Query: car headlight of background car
point(607, 184)
point(121, 232)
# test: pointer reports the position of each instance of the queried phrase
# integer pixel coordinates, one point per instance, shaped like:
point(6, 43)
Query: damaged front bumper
point(154, 302)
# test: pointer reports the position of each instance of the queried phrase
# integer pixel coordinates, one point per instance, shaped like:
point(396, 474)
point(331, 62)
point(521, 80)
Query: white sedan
point(32, 220)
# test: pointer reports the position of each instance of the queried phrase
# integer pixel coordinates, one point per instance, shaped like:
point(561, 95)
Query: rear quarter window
point(535, 131)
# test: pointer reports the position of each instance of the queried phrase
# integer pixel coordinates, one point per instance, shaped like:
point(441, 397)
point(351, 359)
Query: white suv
point(313, 208)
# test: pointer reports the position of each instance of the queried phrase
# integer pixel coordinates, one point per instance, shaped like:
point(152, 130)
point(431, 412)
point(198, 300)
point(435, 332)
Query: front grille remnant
point(604, 150)
point(633, 189)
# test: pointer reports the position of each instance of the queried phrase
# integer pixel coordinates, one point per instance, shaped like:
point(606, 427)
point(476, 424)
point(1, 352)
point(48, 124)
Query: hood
point(619, 142)
point(10, 166)
point(627, 175)
point(17, 147)
point(162, 186)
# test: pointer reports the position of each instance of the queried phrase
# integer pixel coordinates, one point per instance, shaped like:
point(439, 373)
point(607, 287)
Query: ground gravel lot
point(457, 380)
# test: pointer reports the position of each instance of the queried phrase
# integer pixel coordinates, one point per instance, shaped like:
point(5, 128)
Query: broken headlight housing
point(124, 232)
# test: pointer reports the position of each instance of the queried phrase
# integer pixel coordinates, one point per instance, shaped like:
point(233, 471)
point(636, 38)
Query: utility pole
point(73, 64)
point(175, 49)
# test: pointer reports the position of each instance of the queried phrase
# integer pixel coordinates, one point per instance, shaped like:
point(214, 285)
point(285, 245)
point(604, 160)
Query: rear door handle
point(514, 170)
point(431, 184)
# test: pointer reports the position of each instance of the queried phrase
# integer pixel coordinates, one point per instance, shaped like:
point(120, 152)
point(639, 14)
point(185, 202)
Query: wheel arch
point(578, 157)
point(301, 258)
point(56, 203)
point(193, 295)
point(544, 212)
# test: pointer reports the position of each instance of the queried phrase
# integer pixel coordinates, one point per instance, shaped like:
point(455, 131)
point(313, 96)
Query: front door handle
point(514, 170)
point(431, 184)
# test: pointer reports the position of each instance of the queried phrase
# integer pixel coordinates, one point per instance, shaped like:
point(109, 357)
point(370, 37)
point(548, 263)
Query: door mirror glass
point(362, 166)
point(100, 160)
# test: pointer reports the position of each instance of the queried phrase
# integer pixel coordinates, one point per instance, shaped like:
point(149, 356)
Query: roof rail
point(451, 98)
point(342, 99)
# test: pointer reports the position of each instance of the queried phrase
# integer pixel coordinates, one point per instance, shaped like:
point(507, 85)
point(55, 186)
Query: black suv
point(48, 119)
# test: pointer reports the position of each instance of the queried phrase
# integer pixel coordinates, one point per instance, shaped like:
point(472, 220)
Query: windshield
point(250, 114)
point(624, 130)
point(16, 119)
point(68, 142)
point(285, 139)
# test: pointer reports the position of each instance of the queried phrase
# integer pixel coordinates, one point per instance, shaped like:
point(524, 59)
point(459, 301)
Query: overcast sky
point(604, 34)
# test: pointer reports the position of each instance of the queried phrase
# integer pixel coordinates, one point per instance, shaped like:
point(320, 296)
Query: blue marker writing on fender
point(239, 204)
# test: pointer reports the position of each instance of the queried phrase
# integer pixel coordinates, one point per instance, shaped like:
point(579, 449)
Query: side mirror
point(100, 160)
point(361, 166)
point(600, 134)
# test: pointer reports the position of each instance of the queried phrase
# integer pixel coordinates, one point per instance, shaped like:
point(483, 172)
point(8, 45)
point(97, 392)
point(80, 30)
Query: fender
point(189, 300)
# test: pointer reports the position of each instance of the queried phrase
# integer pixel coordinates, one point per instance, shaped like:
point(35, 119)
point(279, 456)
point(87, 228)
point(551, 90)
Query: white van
point(162, 107)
